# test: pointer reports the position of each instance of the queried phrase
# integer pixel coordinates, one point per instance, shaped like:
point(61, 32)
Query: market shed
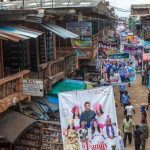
point(13, 123)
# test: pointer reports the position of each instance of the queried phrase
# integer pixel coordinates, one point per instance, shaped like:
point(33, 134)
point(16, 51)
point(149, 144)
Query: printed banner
point(77, 43)
point(117, 71)
point(88, 119)
point(146, 57)
point(119, 56)
point(136, 52)
point(84, 30)
point(108, 48)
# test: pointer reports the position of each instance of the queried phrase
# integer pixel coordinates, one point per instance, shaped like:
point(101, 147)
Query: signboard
point(119, 56)
point(88, 119)
point(84, 30)
point(33, 87)
point(117, 71)
point(108, 48)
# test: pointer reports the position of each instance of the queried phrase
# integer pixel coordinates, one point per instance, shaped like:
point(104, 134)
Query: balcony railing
point(84, 53)
point(52, 72)
point(11, 90)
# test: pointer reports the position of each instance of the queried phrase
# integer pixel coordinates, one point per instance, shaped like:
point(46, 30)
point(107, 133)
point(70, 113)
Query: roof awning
point(20, 31)
point(60, 31)
point(11, 36)
point(13, 123)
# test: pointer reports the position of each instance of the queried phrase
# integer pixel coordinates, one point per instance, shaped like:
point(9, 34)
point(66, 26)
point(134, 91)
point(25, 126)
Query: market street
point(138, 94)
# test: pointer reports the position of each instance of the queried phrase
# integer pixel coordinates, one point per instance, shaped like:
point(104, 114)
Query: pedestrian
point(145, 135)
point(122, 89)
point(137, 137)
point(129, 110)
point(125, 99)
point(148, 100)
point(143, 76)
point(128, 126)
point(143, 114)
point(121, 143)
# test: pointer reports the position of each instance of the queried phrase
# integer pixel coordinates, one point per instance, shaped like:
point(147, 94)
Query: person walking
point(129, 110)
point(121, 143)
point(137, 137)
point(145, 134)
point(148, 100)
point(122, 89)
point(143, 76)
point(143, 114)
point(125, 99)
point(128, 126)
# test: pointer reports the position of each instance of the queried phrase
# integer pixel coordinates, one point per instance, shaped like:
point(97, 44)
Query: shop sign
point(119, 56)
point(84, 30)
point(33, 87)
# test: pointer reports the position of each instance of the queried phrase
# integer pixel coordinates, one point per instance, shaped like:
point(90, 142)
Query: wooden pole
point(23, 4)
point(54, 46)
point(1, 60)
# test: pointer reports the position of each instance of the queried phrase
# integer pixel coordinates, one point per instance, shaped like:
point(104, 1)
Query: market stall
point(20, 132)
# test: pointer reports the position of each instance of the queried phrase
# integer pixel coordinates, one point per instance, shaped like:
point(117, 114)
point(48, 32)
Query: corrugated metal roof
point(12, 124)
point(11, 36)
point(20, 31)
point(60, 31)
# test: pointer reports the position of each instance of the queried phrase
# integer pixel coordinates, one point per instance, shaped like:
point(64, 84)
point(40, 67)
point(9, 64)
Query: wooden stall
point(54, 71)
point(11, 90)
point(19, 132)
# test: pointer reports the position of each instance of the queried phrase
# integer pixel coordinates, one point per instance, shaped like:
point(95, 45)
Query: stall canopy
point(66, 85)
point(16, 33)
point(60, 31)
point(13, 123)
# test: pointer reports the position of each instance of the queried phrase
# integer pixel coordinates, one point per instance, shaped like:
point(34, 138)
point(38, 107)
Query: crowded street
point(74, 75)
point(139, 95)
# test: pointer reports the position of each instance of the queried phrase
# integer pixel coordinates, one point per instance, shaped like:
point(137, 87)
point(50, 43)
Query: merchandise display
point(51, 136)
point(30, 140)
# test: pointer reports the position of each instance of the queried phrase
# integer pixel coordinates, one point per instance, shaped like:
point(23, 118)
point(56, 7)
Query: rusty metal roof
point(17, 33)
point(11, 36)
point(13, 123)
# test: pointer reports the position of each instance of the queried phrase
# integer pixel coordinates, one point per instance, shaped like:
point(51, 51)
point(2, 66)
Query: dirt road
point(138, 94)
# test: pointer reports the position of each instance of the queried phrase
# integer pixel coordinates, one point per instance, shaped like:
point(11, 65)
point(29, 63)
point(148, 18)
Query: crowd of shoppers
point(139, 132)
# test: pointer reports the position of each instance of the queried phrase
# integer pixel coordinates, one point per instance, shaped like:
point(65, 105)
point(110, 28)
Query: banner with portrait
point(88, 119)
point(117, 71)
point(136, 52)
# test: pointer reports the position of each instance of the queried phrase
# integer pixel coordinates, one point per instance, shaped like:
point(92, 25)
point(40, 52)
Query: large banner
point(84, 30)
point(136, 52)
point(117, 71)
point(88, 119)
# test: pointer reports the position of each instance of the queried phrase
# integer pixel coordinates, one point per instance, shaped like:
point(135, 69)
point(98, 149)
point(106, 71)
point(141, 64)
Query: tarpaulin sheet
point(66, 85)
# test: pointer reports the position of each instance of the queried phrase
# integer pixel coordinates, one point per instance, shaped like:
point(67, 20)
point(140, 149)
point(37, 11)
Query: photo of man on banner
point(90, 124)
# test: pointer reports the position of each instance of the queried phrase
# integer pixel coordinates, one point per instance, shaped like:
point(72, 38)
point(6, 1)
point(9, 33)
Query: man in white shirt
point(129, 110)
